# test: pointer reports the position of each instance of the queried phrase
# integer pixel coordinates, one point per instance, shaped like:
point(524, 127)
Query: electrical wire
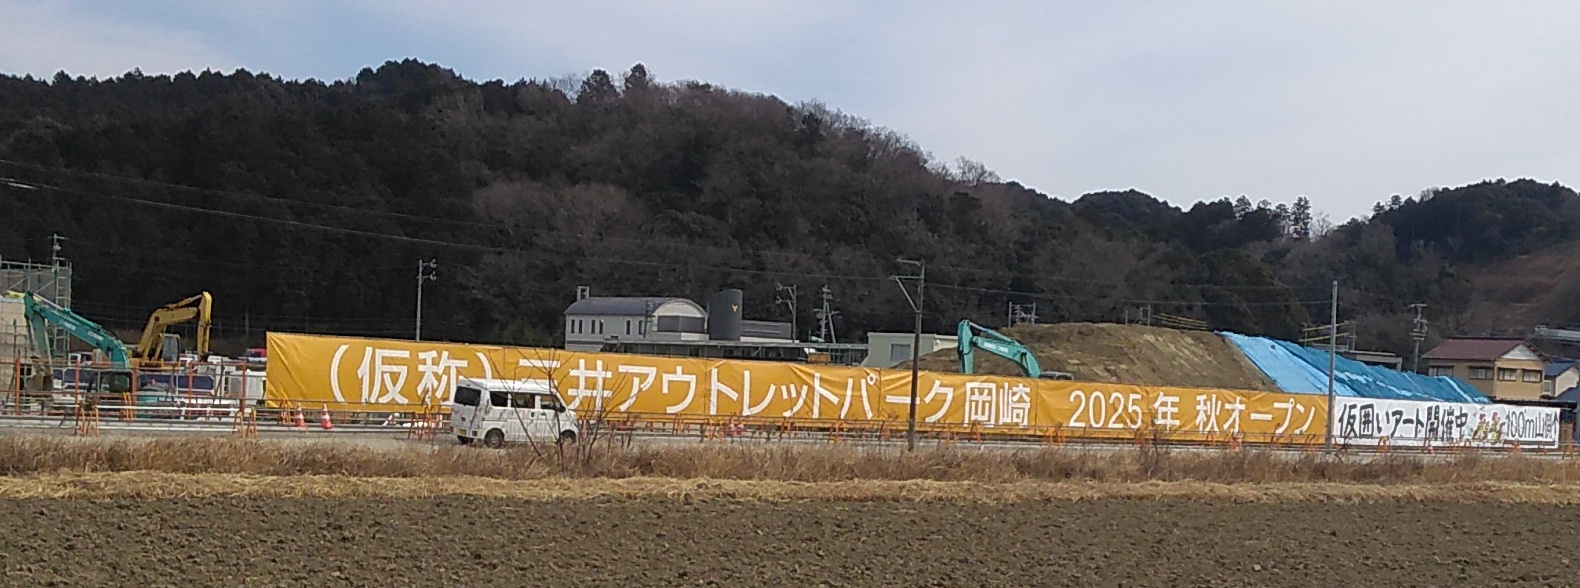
point(36, 187)
point(513, 231)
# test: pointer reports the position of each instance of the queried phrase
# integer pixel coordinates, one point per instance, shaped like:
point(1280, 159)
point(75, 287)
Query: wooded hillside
point(305, 206)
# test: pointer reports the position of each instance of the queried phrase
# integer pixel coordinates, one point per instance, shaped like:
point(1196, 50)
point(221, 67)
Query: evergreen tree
point(1300, 219)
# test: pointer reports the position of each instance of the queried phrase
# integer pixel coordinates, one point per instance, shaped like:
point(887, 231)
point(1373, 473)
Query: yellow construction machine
point(150, 348)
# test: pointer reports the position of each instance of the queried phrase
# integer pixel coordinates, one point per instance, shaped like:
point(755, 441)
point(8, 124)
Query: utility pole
point(1418, 334)
point(916, 339)
point(1333, 351)
point(55, 265)
point(1018, 313)
point(54, 249)
point(825, 318)
point(426, 271)
point(789, 302)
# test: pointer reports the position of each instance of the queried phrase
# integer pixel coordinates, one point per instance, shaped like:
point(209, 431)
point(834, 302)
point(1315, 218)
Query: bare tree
point(595, 430)
point(973, 173)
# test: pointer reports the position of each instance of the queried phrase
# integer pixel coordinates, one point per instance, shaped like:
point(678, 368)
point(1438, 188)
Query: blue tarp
point(1303, 370)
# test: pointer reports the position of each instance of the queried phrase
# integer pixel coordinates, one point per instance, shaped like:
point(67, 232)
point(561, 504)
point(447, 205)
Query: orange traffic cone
point(323, 419)
point(300, 421)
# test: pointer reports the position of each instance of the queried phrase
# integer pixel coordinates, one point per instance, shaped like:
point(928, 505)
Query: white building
point(14, 342)
point(886, 350)
point(593, 320)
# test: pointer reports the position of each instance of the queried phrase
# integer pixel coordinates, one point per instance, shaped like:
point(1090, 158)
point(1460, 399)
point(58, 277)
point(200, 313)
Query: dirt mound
point(1122, 354)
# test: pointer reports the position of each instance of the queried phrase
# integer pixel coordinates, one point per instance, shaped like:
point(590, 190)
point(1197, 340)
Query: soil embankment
point(1123, 354)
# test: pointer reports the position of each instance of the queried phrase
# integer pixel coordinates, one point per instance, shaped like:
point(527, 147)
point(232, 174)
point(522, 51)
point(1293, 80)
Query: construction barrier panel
point(1366, 422)
point(376, 375)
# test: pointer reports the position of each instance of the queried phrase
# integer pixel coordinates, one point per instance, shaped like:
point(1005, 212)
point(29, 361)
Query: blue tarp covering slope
point(1303, 370)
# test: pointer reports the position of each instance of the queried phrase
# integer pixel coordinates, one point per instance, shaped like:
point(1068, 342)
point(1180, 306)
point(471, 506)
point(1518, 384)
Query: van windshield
point(467, 396)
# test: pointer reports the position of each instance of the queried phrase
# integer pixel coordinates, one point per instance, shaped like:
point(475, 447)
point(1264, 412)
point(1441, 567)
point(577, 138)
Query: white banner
point(1371, 422)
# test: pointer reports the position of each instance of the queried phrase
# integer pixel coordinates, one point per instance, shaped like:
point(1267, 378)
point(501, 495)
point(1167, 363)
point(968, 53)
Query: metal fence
point(229, 398)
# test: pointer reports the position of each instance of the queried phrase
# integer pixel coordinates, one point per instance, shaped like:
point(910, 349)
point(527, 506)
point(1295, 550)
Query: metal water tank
point(724, 316)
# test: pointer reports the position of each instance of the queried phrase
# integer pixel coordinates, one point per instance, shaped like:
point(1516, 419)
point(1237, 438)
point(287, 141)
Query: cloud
point(1345, 101)
point(42, 38)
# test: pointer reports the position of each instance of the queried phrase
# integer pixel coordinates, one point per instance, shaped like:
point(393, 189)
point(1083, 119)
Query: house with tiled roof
point(1503, 368)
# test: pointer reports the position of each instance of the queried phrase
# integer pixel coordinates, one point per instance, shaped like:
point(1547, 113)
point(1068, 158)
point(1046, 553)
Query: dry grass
point(31, 456)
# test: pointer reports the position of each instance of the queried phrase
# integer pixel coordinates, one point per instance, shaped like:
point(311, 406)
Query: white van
point(510, 411)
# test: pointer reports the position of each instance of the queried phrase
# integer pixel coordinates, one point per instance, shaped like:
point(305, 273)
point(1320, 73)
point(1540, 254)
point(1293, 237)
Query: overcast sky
point(1347, 102)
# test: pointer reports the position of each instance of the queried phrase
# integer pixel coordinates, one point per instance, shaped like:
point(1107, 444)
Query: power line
point(126, 315)
point(495, 249)
point(232, 193)
point(241, 264)
point(284, 278)
point(1120, 300)
point(421, 240)
point(512, 230)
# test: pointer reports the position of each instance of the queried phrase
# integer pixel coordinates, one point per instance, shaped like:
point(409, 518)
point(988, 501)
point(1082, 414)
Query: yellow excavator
point(150, 348)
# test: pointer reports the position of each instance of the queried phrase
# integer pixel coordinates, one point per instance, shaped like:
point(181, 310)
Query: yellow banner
point(375, 375)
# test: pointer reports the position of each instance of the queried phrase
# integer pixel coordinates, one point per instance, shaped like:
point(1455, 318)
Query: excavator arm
point(971, 337)
point(200, 308)
point(41, 313)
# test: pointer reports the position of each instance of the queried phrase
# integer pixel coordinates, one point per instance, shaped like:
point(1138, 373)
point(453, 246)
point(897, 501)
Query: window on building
point(1440, 370)
point(1531, 376)
point(899, 351)
point(1481, 373)
point(628, 326)
point(682, 324)
point(641, 327)
point(1508, 374)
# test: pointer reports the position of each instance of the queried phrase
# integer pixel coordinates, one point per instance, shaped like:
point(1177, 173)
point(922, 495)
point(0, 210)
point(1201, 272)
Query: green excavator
point(106, 383)
point(971, 337)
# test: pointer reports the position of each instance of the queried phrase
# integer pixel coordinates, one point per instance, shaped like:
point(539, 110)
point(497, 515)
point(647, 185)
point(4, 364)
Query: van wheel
point(464, 439)
point(494, 439)
point(567, 437)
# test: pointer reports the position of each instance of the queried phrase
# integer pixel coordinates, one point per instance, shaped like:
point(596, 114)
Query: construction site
point(1038, 383)
point(702, 441)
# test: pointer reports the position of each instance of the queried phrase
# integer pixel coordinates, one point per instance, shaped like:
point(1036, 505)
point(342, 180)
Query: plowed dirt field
point(469, 541)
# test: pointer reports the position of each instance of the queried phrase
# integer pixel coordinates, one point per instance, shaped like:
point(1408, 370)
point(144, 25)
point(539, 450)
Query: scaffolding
point(51, 281)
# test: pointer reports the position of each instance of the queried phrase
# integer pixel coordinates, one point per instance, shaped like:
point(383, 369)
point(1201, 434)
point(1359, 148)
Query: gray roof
point(617, 305)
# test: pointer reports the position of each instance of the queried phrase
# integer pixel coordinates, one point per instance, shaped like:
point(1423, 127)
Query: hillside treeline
point(305, 205)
